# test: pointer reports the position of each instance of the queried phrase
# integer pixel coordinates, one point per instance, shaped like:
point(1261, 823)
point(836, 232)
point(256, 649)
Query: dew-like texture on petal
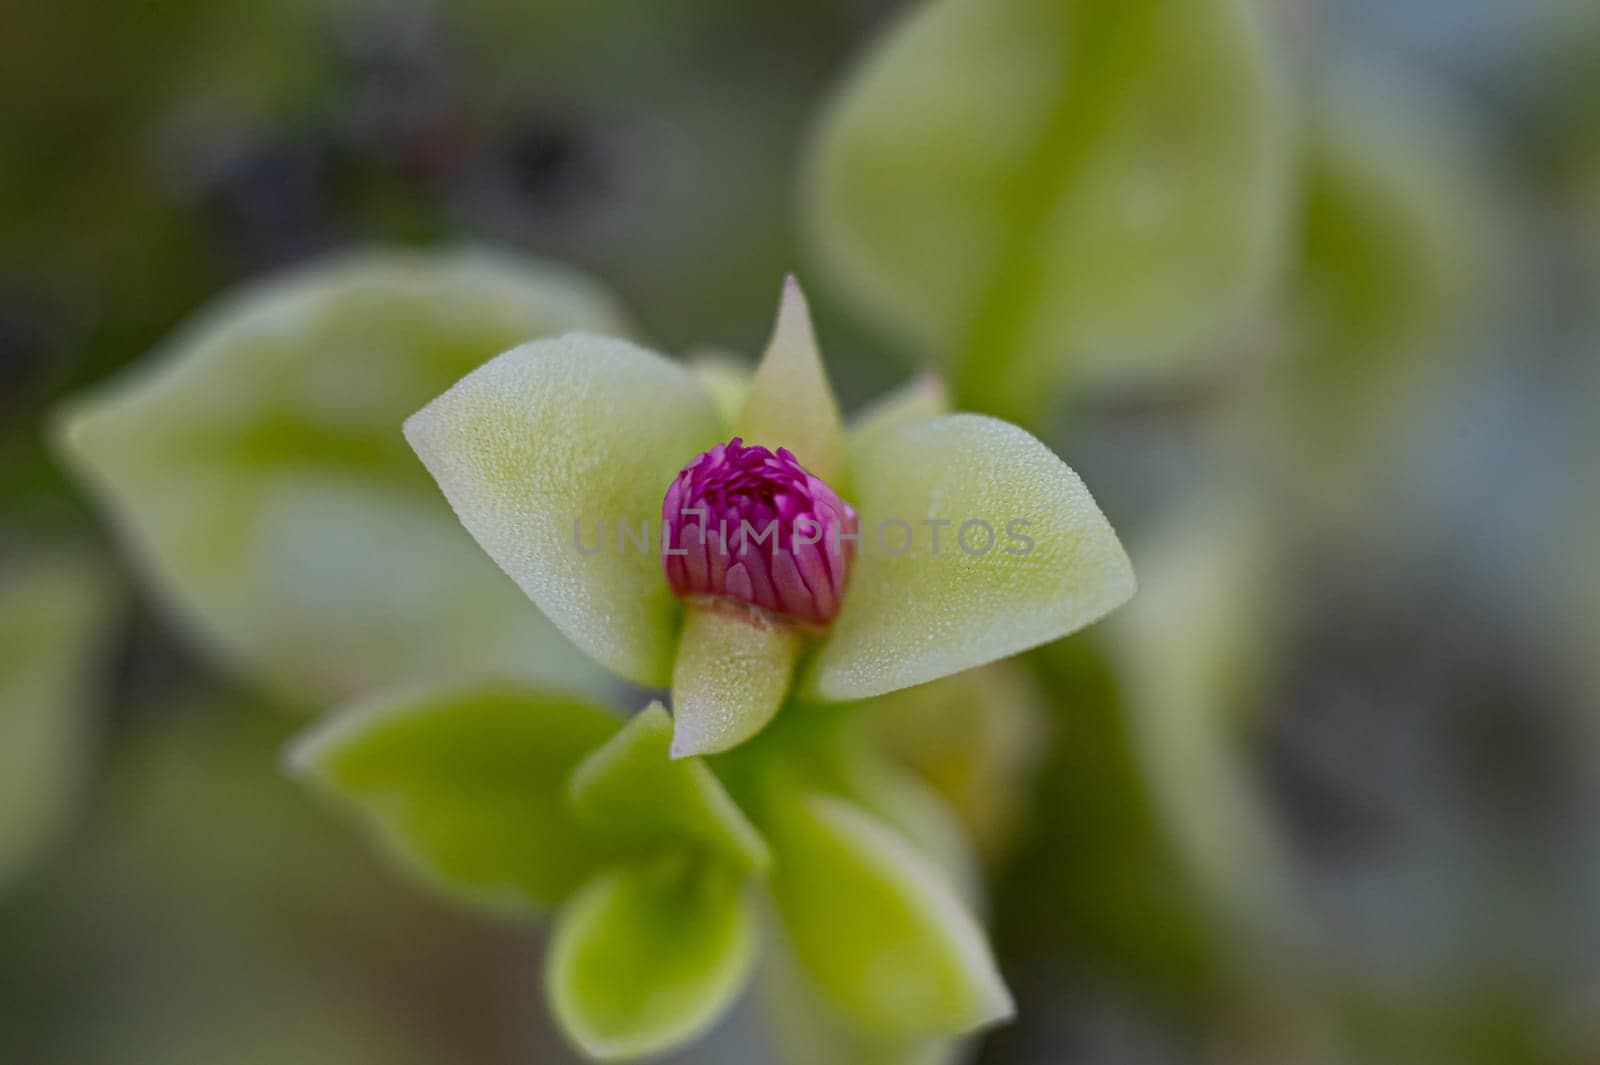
point(914, 614)
point(549, 454)
point(634, 790)
point(54, 614)
point(876, 927)
point(255, 470)
point(1014, 184)
point(467, 788)
point(645, 959)
point(730, 678)
point(790, 402)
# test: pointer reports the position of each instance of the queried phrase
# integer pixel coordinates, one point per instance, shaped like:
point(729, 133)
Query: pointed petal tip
point(794, 310)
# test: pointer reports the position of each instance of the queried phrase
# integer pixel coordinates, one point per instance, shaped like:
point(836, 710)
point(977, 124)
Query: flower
point(746, 497)
point(975, 542)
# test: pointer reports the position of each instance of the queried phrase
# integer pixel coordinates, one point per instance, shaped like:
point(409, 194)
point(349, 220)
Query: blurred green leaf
point(54, 613)
point(468, 788)
point(632, 788)
point(646, 958)
point(876, 926)
point(809, 1029)
point(977, 738)
point(1393, 243)
point(257, 473)
point(1026, 188)
point(1194, 652)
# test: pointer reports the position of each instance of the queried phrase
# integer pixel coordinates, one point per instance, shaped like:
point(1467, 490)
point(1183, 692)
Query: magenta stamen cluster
point(742, 523)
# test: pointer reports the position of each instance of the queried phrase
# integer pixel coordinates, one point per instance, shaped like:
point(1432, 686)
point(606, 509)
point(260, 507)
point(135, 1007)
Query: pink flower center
point(748, 525)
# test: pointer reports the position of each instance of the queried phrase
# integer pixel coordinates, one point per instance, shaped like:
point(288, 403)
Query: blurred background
point(1324, 792)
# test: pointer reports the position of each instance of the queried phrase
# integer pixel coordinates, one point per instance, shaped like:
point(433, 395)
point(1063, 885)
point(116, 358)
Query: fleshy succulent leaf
point(1214, 557)
point(1052, 563)
point(255, 471)
point(790, 402)
point(914, 810)
point(874, 924)
point(977, 738)
point(54, 612)
point(644, 959)
point(468, 787)
point(633, 789)
point(731, 676)
point(1016, 184)
point(551, 454)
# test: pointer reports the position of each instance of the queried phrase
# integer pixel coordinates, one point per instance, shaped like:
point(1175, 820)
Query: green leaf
point(1185, 684)
point(550, 445)
point(633, 788)
point(1038, 561)
point(875, 925)
point(917, 812)
point(808, 1028)
point(468, 788)
point(255, 471)
point(54, 613)
point(977, 738)
point(1024, 186)
point(1394, 246)
point(645, 959)
point(790, 402)
point(731, 676)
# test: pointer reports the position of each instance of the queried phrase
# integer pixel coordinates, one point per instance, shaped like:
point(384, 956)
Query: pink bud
point(754, 526)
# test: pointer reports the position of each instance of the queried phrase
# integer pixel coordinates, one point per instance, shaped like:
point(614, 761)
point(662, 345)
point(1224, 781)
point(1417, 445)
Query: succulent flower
point(715, 518)
point(768, 565)
point(795, 558)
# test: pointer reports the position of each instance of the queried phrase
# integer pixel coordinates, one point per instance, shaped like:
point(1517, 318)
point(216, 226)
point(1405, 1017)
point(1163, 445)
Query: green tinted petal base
point(731, 676)
point(633, 789)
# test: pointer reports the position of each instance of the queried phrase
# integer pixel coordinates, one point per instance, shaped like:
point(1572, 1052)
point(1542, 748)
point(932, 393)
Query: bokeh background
point(1325, 792)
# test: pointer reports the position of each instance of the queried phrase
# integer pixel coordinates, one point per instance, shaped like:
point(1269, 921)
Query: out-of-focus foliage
point(1035, 189)
point(977, 738)
point(209, 914)
point(55, 615)
point(1390, 270)
point(517, 802)
point(257, 476)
